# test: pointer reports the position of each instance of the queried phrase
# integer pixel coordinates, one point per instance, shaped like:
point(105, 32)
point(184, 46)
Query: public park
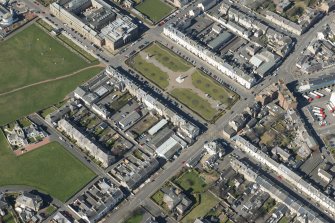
point(183, 81)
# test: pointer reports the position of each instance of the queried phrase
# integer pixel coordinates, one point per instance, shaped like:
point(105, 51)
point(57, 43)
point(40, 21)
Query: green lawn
point(150, 71)
point(158, 197)
point(29, 100)
point(216, 91)
point(191, 180)
point(196, 103)
point(154, 9)
point(167, 58)
point(32, 56)
point(207, 202)
point(51, 169)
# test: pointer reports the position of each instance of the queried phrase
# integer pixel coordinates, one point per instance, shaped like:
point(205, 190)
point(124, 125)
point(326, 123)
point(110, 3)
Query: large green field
point(32, 99)
point(50, 168)
point(210, 87)
point(154, 9)
point(32, 56)
point(150, 71)
point(167, 58)
point(195, 102)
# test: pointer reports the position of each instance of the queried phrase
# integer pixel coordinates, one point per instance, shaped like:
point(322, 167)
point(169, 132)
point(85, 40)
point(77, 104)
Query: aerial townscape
point(167, 111)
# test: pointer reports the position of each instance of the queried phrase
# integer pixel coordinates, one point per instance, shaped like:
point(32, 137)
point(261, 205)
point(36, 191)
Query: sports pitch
point(31, 56)
point(50, 168)
point(34, 57)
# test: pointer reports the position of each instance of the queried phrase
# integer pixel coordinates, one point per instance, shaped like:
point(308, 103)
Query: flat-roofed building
point(97, 21)
point(119, 32)
point(157, 127)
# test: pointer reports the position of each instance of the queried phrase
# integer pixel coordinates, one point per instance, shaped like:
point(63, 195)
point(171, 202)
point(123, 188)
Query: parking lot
point(320, 113)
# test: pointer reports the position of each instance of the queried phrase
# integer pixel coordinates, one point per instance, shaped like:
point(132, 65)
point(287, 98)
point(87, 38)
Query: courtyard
point(155, 10)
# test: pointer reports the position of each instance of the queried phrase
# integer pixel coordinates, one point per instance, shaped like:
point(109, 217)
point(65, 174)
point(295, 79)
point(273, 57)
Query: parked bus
point(318, 93)
point(309, 99)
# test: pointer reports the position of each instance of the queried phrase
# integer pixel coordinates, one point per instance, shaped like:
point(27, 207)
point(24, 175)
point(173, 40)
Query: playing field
point(50, 168)
point(32, 99)
point(196, 103)
point(31, 56)
point(154, 9)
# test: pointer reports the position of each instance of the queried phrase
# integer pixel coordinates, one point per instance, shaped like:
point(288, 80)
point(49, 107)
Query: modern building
point(97, 21)
point(7, 17)
point(29, 201)
point(119, 32)
point(59, 217)
point(170, 147)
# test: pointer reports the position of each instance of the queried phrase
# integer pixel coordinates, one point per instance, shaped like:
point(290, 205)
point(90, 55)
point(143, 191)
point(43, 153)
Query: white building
point(235, 73)
point(324, 175)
